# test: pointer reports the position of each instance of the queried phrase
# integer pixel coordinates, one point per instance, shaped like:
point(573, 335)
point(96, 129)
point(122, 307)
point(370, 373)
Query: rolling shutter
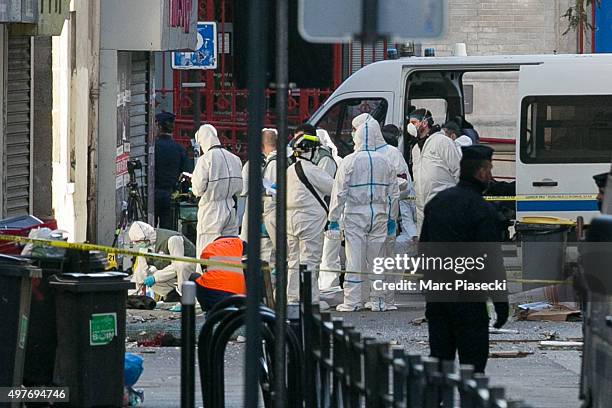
point(17, 146)
point(360, 55)
point(140, 115)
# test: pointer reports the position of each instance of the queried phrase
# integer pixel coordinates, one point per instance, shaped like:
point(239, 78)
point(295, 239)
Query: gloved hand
point(264, 232)
point(391, 228)
point(271, 190)
point(502, 310)
point(332, 230)
point(149, 281)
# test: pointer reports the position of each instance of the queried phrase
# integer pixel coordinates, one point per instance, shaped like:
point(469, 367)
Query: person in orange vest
point(219, 282)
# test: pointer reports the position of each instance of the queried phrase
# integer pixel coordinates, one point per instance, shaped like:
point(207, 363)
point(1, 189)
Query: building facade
point(25, 122)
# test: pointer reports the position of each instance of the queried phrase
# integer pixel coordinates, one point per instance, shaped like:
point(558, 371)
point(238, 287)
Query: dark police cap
point(164, 117)
point(477, 152)
point(601, 179)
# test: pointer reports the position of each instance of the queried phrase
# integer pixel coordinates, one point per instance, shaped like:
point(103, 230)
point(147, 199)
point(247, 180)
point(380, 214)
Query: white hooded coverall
point(435, 168)
point(366, 192)
point(331, 247)
point(216, 180)
point(306, 219)
point(168, 278)
point(269, 204)
point(398, 163)
point(267, 248)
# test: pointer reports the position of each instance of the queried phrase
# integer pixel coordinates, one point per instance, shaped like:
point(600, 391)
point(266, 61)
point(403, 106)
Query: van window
point(566, 129)
point(337, 120)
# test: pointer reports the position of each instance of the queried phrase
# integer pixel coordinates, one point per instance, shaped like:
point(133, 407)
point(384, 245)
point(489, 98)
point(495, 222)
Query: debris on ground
point(493, 330)
point(419, 321)
point(553, 313)
point(561, 344)
point(160, 340)
point(509, 354)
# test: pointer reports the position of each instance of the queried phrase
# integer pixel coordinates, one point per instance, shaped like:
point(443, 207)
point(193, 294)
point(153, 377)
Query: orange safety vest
point(224, 278)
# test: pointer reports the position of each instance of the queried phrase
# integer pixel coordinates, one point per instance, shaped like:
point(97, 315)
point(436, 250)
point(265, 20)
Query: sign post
point(324, 21)
point(205, 54)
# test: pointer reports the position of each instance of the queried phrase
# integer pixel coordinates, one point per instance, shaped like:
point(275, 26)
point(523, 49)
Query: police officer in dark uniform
point(170, 161)
point(459, 222)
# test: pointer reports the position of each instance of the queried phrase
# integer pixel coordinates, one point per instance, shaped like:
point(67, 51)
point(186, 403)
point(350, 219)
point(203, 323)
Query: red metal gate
point(225, 107)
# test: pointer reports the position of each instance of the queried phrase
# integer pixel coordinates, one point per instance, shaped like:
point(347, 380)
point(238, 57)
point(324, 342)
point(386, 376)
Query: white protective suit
point(269, 204)
point(306, 219)
point(366, 192)
point(331, 247)
point(216, 180)
point(168, 278)
point(267, 250)
point(329, 164)
point(398, 163)
point(435, 168)
point(463, 141)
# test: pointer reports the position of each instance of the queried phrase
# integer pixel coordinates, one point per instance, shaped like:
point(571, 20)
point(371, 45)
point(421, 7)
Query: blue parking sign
point(205, 54)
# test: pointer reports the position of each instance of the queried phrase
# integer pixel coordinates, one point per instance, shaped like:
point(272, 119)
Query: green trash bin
point(543, 247)
point(90, 310)
point(16, 275)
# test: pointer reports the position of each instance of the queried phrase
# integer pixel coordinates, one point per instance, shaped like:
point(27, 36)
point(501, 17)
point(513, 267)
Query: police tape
point(111, 250)
point(541, 197)
point(205, 262)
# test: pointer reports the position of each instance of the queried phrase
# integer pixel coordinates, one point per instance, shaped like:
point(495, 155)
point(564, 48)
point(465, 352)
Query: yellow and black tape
point(112, 251)
point(541, 197)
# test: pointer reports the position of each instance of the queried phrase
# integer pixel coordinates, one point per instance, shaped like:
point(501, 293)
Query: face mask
point(141, 245)
point(411, 129)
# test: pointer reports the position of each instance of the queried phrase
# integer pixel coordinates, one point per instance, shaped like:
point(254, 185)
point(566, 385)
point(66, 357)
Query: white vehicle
point(559, 111)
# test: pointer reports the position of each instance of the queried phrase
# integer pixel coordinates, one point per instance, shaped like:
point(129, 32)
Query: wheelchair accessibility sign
point(205, 54)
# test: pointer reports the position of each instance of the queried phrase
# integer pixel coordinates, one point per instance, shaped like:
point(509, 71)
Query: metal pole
point(195, 77)
point(369, 21)
point(282, 85)
point(256, 63)
point(188, 344)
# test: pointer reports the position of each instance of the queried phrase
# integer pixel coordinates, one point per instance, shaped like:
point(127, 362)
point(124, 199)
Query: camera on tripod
point(133, 165)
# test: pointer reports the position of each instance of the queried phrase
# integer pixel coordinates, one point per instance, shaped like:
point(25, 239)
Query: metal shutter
point(18, 128)
point(359, 56)
point(139, 116)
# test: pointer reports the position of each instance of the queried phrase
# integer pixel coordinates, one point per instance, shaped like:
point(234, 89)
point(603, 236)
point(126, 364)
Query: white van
point(558, 109)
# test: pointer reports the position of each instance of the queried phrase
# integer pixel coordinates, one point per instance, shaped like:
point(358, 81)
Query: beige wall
point(507, 27)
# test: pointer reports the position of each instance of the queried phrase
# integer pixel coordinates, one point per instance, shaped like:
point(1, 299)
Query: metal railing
point(330, 364)
point(222, 321)
point(344, 369)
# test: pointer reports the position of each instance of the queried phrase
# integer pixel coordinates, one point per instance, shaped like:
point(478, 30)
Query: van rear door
point(565, 137)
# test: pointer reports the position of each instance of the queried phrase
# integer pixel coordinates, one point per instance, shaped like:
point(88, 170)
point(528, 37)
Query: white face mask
point(141, 245)
point(411, 129)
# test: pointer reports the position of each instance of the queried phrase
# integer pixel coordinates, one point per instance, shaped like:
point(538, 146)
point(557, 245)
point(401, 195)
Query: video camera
point(133, 165)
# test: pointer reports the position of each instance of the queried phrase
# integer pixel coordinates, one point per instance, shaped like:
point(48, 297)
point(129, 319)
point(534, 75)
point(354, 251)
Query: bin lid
point(547, 220)
point(18, 266)
point(91, 282)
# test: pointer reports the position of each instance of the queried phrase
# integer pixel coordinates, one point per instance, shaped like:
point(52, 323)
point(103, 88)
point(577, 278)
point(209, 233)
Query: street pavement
point(546, 378)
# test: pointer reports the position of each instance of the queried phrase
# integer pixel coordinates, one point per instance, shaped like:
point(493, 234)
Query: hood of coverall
point(141, 231)
point(327, 142)
point(206, 137)
point(368, 135)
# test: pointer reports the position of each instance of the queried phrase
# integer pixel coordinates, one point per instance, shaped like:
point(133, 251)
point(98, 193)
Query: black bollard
point(188, 344)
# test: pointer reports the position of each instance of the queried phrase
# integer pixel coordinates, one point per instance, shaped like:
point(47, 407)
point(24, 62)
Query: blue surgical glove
point(333, 230)
point(391, 228)
point(149, 281)
point(264, 232)
point(333, 226)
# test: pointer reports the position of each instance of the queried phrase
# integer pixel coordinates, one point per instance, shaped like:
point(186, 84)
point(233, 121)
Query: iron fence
point(330, 364)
